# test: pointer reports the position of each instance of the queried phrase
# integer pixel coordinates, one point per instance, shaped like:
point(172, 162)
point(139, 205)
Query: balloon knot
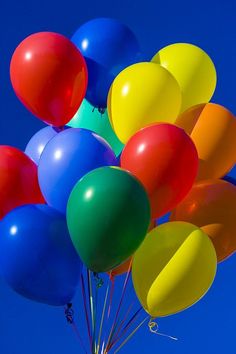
point(69, 313)
point(99, 281)
point(154, 328)
point(101, 110)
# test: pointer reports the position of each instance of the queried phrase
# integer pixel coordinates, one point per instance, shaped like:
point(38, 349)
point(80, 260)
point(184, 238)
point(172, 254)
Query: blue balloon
point(66, 159)
point(108, 47)
point(231, 176)
point(37, 258)
point(38, 142)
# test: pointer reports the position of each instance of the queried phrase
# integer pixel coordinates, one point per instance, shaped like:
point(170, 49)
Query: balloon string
point(75, 328)
point(91, 307)
point(86, 309)
point(69, 313)
point(119, 306)
point(111, 295)
point(154, 328)
point(120, 325)
point(131, 335)
point(117, 332)
point(127, 326)
point(102, 318)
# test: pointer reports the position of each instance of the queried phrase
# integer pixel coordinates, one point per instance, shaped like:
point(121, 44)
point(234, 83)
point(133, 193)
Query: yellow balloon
point(142, 94)
point(192, 68)
point(173, 268)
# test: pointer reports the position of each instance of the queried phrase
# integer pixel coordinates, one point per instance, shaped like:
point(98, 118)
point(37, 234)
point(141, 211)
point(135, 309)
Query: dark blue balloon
point(66, 159)
point(37, 258)
point(38, 142)
point(108, 47)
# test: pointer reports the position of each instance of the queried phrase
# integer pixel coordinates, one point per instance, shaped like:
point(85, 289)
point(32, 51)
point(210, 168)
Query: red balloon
point(49, 76)
point(18, 180)
point(164, 158)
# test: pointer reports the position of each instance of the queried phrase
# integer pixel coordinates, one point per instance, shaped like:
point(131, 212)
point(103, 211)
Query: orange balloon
point(211, 205)
point(213, 130)
point(125, 266)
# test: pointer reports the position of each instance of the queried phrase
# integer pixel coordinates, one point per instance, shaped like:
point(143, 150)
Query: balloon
point(108, 215)
point(37, 257)
point(141, 94)
point(122, 268)
point(68, 157)
point(108, 47)
point(18, 180)
point(173, 268)
point(125, 266)
point(49, 76)
point(38, 142)
point(192, 68)
point(211, 205)
point(217, 151)
point(89, 118)
point(164, 159)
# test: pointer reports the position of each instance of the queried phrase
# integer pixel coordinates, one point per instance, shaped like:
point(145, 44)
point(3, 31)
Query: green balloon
point(108, 215)
point(91, 118)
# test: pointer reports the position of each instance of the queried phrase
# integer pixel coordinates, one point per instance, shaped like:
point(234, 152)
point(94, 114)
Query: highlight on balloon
point(120, 198)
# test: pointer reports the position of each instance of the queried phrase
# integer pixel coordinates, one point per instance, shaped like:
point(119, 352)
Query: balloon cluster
point(128, 141)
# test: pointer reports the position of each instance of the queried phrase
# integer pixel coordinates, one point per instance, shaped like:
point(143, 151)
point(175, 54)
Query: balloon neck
point(101, 110)
point(69, 313)
point(99, 281)
point(59, 129)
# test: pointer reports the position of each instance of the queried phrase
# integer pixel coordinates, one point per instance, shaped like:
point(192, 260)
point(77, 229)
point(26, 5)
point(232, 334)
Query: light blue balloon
point(66, 159)
point(38, 142)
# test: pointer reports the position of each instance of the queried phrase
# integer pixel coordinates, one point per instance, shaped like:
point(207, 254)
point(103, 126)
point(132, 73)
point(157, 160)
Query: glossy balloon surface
point(164, 159)
point(173, 268)
point(142, 94)
point(49, 76)
point(108, 47)
point(18, 180)
point(37, 257)
point(211, 205)
point(108, 215)
point(66, 159)
point(38, 142)
point(192, 68)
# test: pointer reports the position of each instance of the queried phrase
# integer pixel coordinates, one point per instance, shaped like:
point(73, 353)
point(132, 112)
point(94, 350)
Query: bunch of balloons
point(127, 141)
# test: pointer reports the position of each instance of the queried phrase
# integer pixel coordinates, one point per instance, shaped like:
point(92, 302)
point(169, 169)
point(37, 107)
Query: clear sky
point(208, 327)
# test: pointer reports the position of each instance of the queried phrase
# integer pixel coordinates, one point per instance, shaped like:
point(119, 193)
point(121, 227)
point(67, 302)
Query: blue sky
point(208, 327)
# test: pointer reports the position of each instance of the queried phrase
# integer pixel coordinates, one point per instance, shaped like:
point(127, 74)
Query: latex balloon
point(68, 157)
point(211, 205)
point(37, 257)
point(49, 76)
point(141, 94)
point(108, 47)
point(173, 268)
point(90, 118)
point(38, 142)
point(164, 159)
point(108, 215)
point(192, 68)
point(126, 266)
point(18, 180)
point(217, 152)
point(122, 268)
